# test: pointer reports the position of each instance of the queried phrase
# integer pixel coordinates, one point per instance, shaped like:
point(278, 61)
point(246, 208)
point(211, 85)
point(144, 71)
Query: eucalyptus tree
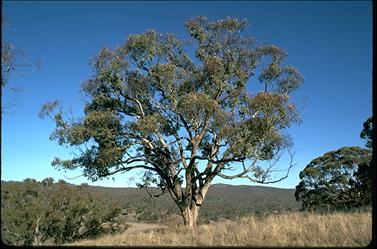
point(184, 117)
point(335, 181)
point(340, 178)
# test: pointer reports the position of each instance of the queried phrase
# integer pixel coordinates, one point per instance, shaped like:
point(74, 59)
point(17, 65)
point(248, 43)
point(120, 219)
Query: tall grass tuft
point(287, 229)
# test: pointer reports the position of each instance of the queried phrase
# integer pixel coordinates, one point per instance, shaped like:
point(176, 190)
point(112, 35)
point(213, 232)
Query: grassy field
point(288, 229)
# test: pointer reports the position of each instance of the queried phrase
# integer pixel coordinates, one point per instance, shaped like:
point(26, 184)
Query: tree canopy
point(340, 178)
point(334, 180)
point(183, 117)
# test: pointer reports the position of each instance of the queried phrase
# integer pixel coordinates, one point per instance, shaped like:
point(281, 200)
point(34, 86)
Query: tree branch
point(125, 169)
point(244, 173)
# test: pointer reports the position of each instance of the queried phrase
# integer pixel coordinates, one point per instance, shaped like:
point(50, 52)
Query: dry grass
point(291, 229)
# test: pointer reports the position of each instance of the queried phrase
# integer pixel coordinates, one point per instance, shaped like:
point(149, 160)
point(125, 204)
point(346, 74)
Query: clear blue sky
point(329, 42)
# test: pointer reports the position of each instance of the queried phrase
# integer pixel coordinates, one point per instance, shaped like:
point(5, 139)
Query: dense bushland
point(69, 212)
point(35, 213)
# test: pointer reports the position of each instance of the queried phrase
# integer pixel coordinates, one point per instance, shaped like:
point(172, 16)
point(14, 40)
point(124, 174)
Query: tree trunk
point(190, 215)
point(190, 212)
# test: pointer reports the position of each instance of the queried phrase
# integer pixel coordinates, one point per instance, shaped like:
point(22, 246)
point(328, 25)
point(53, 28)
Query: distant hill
point(222, 201)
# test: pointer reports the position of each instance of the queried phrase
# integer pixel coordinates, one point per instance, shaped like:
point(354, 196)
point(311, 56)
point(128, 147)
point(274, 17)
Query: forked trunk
point(190, 215)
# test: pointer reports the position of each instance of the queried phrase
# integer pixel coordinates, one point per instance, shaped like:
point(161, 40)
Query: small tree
point(333, 180)
point(184, 121)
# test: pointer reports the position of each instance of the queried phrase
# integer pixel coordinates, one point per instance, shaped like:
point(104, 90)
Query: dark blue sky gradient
point(329, 42)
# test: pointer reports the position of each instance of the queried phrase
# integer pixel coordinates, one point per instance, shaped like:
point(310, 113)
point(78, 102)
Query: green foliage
point(33, 212)
point(338, 179)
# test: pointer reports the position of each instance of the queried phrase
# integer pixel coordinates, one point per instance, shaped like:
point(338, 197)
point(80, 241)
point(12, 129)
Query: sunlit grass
point(289, 229)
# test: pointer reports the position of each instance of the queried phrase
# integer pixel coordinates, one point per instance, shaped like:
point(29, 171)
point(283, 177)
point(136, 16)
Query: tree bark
point(190, 215)
point(190, 210)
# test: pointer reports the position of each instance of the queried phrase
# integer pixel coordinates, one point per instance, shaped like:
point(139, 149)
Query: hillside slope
point(223, 201)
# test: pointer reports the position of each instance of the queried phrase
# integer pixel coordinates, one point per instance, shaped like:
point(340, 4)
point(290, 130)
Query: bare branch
point(125, 169)
point(72, 178)
point(245, 171)
point(243, 174)
point(140, 106)
point(155, 195)
point(162, 141)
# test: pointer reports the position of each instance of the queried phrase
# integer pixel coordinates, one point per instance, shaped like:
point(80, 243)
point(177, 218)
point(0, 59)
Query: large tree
point(184, 120)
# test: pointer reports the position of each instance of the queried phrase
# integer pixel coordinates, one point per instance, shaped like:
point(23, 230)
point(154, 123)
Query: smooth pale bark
point(190, 216)
point(190, 212)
